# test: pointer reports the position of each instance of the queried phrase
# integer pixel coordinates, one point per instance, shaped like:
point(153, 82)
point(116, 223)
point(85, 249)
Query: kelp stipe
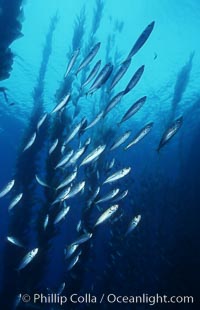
point(27, 166)
point(180, 87)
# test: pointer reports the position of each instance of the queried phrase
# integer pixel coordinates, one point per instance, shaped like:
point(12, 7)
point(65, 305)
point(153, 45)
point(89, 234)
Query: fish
point(61, 197)
point(46, 221)
point(170, 132)
point(133, 109)
point(61, 289)
point(95, 194)
point(134, 222)
point(108, 196)
point(134, 80)
point(41, 182)
point(75, 190)
point(92, 74)
point(61, 214)
point(41, 121)
point(75, 156)
point(120, 140)
point(110, 165)
point(7, 188)
point(61, 104)
point(140, 135)
point(120, 73)
point(74, 132)
point(79, 226)
point(113, 102)
point(30, 142)
point(141, 40)
point(27, 259)
point(70, 250)
point(121, 196)
point(87, 60)
point(83, 125)
point(15, 241)
point(64, 159)
point(17, 301)
point(101, 78)
point(117, 175)
point(106, 215)
point(53, 146)
point(70, 178)
point(15, 201)
point(95, 121)
point(72, 62)
point(93, 155)
point(82, 239)
point(73, 261)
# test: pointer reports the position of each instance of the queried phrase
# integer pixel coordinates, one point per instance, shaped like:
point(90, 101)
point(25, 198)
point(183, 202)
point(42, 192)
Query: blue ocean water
point(161, 255)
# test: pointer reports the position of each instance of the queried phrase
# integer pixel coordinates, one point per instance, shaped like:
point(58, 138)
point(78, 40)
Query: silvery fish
point(73, 133)
point(61, 197)
point(141, 40)
point(41, 121)
point(106, 215)
point(82, 239)
point(120, 73)
point(133, 109)
point(73, 261)
point(79, 226)
point(41, 182)
point(61, 214)
point(117, 175)
point(87, 60)
point(120, 140)
point(134, 222)
point(7, 188)
point(95, 121)
point(121, 196)
point(108, 196)
point(93, 155)
point(113, 102)
point(70, 250)
point(15, 241)
point(30, 142)
point(64, 159)
point(75, 190)
point(92, 74)
point(72, 62)
point(110, 165)
point(134, 80)
point(15, 201)
point(101, 78)
point(62, 104)
point(70, 178)
point(53, 147)
point(170, 132)
point(17, 301)
point(75, 156)
point(140, 135)
point(95, 194)
point(61, 288)
point(27, 259)
point(46, 221)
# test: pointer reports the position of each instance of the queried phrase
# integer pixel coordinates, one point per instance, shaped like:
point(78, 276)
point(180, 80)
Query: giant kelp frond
point(97, 16)
point(79, 30)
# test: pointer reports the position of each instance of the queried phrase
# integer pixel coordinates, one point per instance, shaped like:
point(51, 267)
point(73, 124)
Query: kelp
point(182, 80)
